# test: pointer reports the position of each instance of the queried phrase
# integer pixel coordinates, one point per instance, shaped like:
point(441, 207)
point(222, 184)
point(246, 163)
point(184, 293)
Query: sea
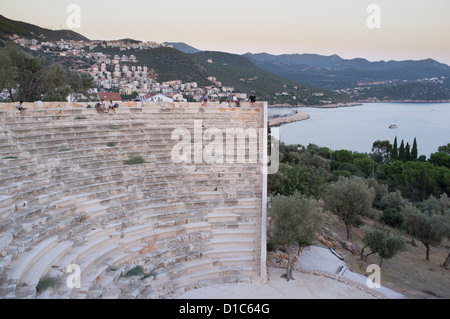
point(356, 128)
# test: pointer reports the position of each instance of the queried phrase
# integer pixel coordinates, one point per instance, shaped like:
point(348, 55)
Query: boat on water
point(393, 126)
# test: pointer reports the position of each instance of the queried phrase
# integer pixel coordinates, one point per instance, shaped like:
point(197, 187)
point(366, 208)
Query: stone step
point(231, 243)
point(215, 274)
point(28, 259)
point(222, 218)
point(87, 258)
point(233, 233)
point(41, 267)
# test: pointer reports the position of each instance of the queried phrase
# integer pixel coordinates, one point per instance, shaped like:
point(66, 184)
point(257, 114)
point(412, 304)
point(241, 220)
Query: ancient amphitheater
point(73, 209)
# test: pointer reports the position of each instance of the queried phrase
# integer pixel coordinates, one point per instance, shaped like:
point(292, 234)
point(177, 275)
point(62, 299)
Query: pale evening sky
point(409, 29)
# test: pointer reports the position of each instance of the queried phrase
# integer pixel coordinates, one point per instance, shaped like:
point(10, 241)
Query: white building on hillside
point(158, 97)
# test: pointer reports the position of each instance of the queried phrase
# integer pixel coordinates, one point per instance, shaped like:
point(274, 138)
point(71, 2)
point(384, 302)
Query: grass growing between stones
point(111, 144)
point(45, 283)
point(10, 157)
point(135, 160)
point(80, 118)
point(139, 271)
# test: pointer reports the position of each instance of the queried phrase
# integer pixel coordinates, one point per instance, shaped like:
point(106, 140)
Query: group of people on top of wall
point(232, 98)
point(102, 108)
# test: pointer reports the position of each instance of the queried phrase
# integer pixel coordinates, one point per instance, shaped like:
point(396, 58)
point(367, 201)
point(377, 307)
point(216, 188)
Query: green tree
point(342, 156)
point(430, 229)
point(381, 151)
point(306, 179)
point(414, 151)
point(440, 159)
point(8, 71)
point(444, 148)
point(55, 84)
point(382, 243)
point(349, 199)
point(80, 83)
point(379, 188)
point(394, 151)
point(436, 205)
point(295, 219)
point(392, 204)
point(407, 152)
point(32, 78)
point(402, 152)
point(366, 165)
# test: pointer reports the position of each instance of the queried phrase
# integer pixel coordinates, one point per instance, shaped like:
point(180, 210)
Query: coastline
point(408, 101)
point(359, 103)
point(317, 106)
point(278, 121)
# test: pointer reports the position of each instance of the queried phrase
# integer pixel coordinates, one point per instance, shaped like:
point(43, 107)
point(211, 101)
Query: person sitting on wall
point(111, 106)
point(98, 108)
point(20, 107)
point(103, 106)
point(229, 100)
point(204, 100)
point(236, 101)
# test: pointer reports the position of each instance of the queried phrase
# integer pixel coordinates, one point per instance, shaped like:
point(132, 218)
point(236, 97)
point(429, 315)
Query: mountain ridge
point(11, 27)
point(283, 79)
point(335, 73)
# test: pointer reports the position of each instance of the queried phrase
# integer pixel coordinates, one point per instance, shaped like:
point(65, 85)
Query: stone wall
point(153, 227)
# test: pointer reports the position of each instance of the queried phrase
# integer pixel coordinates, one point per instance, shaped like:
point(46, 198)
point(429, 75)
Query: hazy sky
point(409, 29)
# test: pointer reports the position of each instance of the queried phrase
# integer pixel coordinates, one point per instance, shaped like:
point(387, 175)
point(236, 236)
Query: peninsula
point(288, 118)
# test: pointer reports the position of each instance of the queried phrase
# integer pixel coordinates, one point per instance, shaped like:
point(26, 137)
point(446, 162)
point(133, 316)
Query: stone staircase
point(67, 196)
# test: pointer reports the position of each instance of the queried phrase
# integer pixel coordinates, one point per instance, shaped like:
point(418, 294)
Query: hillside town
point(123, 73)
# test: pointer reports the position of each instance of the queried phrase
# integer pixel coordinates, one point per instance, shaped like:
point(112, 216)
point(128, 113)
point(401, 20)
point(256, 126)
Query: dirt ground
point(407, 272)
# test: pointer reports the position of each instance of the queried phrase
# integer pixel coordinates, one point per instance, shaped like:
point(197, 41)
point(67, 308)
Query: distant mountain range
point(282, 79)
point(333, 72)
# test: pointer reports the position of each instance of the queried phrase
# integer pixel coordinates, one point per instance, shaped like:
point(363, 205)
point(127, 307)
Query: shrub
point(137, 271)
point(349, 199)
point(135, 160)
point(296, 219)
point(45, 283)
point(392, 218)
point(382, 243)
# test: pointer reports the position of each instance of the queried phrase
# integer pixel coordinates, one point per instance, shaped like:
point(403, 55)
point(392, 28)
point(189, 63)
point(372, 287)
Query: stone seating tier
point(67, 197)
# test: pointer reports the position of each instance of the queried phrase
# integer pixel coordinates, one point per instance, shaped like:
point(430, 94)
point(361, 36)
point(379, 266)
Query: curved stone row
point(69, 198)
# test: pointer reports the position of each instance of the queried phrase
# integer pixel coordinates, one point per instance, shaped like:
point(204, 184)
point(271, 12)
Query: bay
point(356, 128)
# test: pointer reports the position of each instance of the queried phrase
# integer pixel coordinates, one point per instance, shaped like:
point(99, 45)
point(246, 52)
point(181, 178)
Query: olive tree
point(430, 229)
point(381, 242)
point(349, 199)
point(296, 219)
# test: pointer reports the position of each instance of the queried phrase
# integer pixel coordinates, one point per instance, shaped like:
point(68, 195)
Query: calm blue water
point(356, 128)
